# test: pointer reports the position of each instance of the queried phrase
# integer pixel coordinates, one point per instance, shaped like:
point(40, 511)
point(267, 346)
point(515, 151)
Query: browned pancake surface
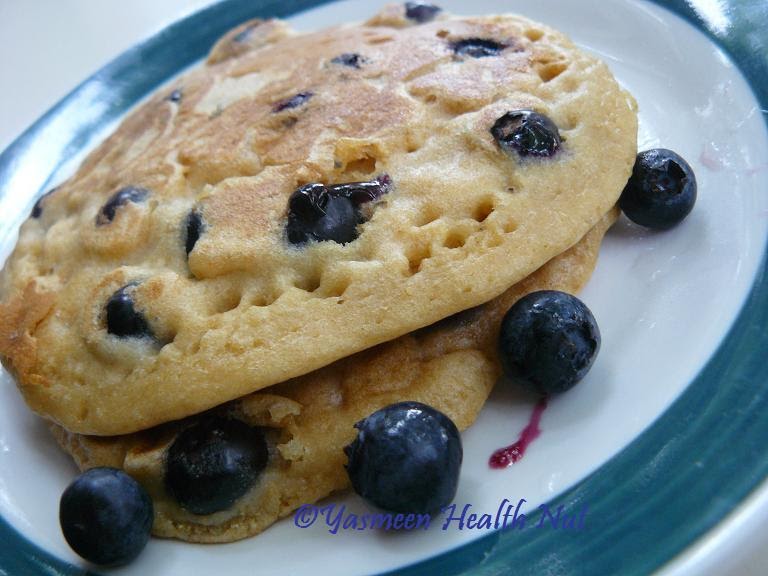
point(462, 222)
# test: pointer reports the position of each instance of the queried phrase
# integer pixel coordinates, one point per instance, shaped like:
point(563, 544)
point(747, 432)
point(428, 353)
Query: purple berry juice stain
point(504, 457)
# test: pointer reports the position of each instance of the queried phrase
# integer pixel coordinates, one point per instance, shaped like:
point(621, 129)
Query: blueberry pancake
point(293, 433)
point(300, 198)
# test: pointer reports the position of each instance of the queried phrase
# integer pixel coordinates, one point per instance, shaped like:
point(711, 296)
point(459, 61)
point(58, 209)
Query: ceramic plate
point(657, 445)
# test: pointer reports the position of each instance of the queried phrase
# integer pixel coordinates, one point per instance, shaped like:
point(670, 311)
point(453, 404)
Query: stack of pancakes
point(305, 339)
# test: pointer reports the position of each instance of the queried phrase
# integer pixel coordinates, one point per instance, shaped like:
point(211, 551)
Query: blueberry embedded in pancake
point(213, 463)
point(421, 12)
point(37, 209)
point(194, 226)
point(132, 194)
point(350, 60)
point(122, 317)
point(294, 101)
point(477, 47)
point(526, 133)
point(176, 95)
point(318, 212)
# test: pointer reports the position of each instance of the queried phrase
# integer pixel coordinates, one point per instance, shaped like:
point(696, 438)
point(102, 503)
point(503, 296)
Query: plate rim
point(646, 468)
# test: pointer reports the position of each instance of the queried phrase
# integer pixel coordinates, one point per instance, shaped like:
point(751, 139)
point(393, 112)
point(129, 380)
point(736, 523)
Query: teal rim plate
point(719, 417)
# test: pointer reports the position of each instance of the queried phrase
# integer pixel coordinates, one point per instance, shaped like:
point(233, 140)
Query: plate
point(665, 436)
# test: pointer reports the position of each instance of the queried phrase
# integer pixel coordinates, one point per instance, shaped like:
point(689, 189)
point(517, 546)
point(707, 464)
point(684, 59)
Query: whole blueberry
point(213, 463)
point(120, 198)
point(548, 341)
point(106, 516)
point(526, 133)
point(421, 12)
point(122, 317)
point(406, 458)
point(477, 47)
point(661, 191)
point(194, 226)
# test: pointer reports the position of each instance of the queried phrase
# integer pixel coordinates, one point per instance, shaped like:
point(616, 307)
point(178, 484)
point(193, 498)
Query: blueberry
point(308, 201)
point(661, 191)
point(293, 102)
point(175, 96)
point(37, 209)
point(361, 192)
point(316, 215)
point(213, 463)
point(421, 12)
point(477, 47)
point(319, 212)
point(526, 133)
point(106, 516)
point(120, 198)
point(122, 317)
point(548, 341)
point(339, 222)
point(194, 226)
point(406, 458)
point(349, 59)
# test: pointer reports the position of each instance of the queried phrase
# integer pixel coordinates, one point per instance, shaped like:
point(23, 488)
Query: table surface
point(50, 46)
